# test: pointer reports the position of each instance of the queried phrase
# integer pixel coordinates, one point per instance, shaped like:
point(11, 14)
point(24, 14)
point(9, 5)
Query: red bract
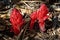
point(41, 16)
point(16, 20)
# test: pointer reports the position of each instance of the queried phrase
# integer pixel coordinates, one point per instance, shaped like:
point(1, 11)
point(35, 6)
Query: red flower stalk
point(41, 16)
point(16, 20)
